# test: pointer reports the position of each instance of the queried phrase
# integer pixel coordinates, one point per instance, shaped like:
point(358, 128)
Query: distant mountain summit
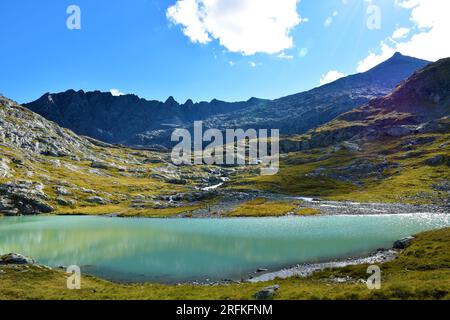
point(131, 120)
point(419, 105)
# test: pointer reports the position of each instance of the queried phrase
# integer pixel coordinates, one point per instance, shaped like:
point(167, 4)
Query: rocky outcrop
point(23, 198)
point(32, 133)
point(5, 171)
point(267, 293)
point(403, 243)
point(356, 171)
point(98, 200)
point(15, 258)
point(66, 202)
point(437, 160)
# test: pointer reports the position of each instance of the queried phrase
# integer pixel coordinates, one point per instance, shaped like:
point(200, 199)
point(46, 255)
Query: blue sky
point(136, 47)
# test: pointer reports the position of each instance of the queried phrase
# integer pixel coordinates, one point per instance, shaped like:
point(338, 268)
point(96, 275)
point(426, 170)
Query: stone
point(100, 165)
point(435, 161)
point(15, 258)
point(267, 293)
point(442, 186)
point(4, 169)
point(61, 191)
point(403, 243)
point(88, 191)
point(97, 200)
point(23, 197)
point(66, 202)
point(351, 146)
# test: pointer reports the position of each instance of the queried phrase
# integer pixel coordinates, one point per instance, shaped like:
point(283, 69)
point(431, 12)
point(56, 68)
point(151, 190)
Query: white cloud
point(430, 33)
point(244, 26)
point(331, 76)
point(116, 92)
point(285, 56)
point(400, 33)
point(373, 59)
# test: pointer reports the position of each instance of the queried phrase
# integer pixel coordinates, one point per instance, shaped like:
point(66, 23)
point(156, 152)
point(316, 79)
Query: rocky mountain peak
point(130, 120)
point(421, 104)
point(171, 102)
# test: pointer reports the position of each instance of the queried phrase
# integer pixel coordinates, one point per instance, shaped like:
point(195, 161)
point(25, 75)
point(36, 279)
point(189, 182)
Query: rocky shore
point(261, 274)
point(307, 269)
point(228, 200)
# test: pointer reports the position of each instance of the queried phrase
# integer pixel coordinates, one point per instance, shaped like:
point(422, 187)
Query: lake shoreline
point(307, 269)
point(295, 232)
point(228, 201)
point(30, 282)
point(262, 275)
point(326, 208)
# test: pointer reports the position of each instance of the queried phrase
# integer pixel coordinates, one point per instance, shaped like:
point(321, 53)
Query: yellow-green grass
point(117, 187)
point(422, 271)
point(413, 178)
point(162, 213)
point(401, 184)
point(263, 208)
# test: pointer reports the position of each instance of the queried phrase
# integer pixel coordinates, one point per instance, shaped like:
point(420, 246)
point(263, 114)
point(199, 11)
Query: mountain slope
point(47, 169)
point(303, 111)
point(420, 104)
point(132, 121)
point(121, 119)
point(393, 149)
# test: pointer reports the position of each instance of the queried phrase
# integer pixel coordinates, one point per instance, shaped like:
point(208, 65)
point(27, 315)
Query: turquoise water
point(177, 250)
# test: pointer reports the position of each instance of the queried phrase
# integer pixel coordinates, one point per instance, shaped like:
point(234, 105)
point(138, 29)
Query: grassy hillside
point(396, 170)
point(45, 166)
point(393, 149)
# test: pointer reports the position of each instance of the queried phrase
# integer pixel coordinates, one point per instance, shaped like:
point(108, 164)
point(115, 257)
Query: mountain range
point(372, 144)
point(133, 121)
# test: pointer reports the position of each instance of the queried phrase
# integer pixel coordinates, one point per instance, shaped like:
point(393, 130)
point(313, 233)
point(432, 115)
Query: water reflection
point(189, 249)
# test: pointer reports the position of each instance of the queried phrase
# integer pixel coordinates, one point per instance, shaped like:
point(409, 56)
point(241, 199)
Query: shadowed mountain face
point(133, 121)
point(419, 105)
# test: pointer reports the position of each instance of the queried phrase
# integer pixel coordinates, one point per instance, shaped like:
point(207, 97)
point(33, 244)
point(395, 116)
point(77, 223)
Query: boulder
point(61, 191)
point(442, 186)
point(100, 165)
point(267, 293)
point(66, 202)
point(97, 200)
point(15, 258)
point(403, 243)
point(351, 146)
point(4, 169)
point(435, 161)
point(23, 197)
point(88, 191)
point(7, 207)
